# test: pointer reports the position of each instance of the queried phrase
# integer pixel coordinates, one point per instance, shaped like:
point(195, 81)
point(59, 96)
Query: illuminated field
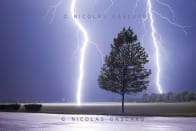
point(109, 108)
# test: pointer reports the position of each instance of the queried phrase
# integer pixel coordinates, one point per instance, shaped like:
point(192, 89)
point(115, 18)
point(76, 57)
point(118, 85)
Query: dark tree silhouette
point(123, 71)
point(181, 96)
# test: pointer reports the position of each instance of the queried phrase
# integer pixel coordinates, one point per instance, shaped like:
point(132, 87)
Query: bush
point(33, 107)
point(9, 107)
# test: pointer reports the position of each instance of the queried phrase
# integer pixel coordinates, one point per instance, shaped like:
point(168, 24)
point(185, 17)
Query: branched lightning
point(135, 7)
point(144, 19)
point(168, 7)
point(108, 8)
point(94, 43)
point(149, 16)
point(98, 49)
point(82, 53)
point(172, 22)
point(83, 50)
point(52, 11)
point(155, 34)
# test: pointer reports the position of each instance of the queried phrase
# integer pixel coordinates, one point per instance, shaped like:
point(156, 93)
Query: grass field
point(109, 108)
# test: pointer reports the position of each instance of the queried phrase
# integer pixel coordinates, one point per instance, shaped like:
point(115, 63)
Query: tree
point(146, 98)
point(123, 71)
point(170, 97)
point(189, 96)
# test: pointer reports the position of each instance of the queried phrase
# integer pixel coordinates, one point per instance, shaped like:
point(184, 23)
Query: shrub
point(9, 107)
point(33, 107)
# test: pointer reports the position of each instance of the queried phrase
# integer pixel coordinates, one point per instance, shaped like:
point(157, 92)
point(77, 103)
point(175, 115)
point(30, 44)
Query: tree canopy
point(123, 71)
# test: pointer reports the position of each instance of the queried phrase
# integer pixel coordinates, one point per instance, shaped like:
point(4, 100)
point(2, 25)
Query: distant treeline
point(183, 96)
point(16, 107)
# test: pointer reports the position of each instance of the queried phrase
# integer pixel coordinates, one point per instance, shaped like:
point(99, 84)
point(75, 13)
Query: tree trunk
point(123, 91)
point(123, 99)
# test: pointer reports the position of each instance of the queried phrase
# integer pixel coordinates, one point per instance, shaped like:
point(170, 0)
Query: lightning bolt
point(149, 17)
point(155, 34)
point(156, 37)
point(82, 53)
point(52, 12)
point(83, 49)
point(155, 43)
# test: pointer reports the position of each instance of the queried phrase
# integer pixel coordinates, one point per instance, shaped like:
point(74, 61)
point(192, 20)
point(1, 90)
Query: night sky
point(40, 46)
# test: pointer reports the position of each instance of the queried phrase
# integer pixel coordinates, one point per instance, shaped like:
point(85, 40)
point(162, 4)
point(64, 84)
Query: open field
point(109, 108)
